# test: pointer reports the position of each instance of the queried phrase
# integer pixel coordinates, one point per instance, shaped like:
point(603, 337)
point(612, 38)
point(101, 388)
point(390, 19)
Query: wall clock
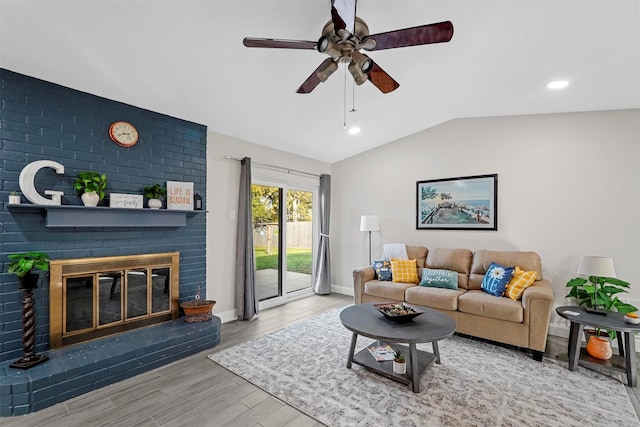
point(123, 133)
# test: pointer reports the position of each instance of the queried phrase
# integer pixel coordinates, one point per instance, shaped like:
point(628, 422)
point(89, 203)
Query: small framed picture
point(465, 203)
point(180, 195)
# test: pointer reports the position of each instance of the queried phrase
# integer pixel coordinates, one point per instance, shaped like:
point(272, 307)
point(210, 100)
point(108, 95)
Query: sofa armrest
point(361, 275)
point(537, 301)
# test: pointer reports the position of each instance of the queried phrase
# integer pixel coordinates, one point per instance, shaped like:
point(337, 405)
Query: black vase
point(29, 281)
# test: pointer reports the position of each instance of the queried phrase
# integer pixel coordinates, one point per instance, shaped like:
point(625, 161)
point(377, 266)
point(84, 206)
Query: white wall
point(223, 179)
point(568, 185)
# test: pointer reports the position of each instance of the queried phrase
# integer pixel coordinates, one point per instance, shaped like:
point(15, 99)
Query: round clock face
point(123, 134)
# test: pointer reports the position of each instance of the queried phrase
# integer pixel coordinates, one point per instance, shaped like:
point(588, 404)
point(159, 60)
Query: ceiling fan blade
point(279, 44)
point(382, 80)
point(423, 34)
point(325, 69)
point(343, 15)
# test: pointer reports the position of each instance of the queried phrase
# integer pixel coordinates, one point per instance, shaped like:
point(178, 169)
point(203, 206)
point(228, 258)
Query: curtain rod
point(288, 170)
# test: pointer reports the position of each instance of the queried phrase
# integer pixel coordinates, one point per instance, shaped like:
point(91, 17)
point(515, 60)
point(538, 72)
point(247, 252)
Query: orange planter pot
point(197, 311)
point(599, 347)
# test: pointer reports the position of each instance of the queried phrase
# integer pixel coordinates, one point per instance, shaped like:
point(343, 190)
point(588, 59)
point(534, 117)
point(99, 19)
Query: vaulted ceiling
point(186, 59)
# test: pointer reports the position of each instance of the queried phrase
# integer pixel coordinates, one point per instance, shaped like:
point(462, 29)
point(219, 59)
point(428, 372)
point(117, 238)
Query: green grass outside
point(298, 260)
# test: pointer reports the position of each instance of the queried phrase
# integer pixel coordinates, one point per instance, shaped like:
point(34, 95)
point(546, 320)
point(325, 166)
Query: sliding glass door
point(283, 240)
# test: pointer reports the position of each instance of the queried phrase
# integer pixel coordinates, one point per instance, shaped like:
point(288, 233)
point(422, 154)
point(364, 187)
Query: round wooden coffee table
point(429, 327)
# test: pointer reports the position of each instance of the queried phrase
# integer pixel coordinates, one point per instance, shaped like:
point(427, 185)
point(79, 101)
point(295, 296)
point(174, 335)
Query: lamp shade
point(369, 223)
point(596, 266)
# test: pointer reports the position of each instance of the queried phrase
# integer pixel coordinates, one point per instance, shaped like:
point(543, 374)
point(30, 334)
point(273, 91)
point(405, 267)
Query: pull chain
point(344, 108)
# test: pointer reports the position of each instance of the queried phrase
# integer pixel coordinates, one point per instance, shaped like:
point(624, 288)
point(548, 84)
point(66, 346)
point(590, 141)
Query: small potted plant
point(25, 267)
point(599, 295)
point(90, 187)
point(197, 310)
point(14, 198)
point(399, 363)
point(155, 193)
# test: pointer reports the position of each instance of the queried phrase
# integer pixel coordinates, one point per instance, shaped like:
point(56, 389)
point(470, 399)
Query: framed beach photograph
point(465, 203)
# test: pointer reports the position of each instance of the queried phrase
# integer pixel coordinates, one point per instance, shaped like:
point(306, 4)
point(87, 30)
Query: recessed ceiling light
point(354, 130)
point(558, 84)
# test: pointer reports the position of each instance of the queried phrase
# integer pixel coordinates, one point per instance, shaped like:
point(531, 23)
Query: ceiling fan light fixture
point(354, 130)
point(364, 62)
point(327, 46)
point(326, 69)
point(358, 76)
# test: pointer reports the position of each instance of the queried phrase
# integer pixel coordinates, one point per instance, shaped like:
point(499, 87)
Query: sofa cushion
point(458, 260)
point(383, 270)
point(432, 278)
point(482, 259)
point(387, 290)
point(496, 279)
point(404, 270)
point(520, 281)
point(483, 304)
point(439, 298)
point(419, 253)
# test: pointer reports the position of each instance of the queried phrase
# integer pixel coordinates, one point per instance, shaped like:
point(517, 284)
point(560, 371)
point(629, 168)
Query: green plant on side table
point(90, 187)
point(601, 294)
point(155, 194)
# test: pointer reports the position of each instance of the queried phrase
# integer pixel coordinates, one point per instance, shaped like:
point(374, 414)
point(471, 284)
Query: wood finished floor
point(193, 391)
point(197, 392)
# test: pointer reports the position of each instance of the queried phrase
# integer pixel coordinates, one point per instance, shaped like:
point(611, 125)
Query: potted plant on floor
point(399, 363)
point(599, 295)
point(197, 310)
point(25, 267)
point(90, 187)
point(155, 193)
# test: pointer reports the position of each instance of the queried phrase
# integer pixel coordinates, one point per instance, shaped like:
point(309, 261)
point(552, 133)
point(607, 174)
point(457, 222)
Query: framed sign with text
point(180, 195)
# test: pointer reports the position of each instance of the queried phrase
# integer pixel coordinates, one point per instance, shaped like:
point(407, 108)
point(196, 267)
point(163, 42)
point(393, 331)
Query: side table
point(579, 317)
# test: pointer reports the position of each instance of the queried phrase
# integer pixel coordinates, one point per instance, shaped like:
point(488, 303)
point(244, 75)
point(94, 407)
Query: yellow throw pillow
point(404, 270)
point(521, 280)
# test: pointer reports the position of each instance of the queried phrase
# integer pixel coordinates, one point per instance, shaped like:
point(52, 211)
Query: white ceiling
point(186, 59)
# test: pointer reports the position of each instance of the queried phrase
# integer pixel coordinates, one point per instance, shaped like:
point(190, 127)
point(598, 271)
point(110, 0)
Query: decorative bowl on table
point(400, 313)
point(632, 318)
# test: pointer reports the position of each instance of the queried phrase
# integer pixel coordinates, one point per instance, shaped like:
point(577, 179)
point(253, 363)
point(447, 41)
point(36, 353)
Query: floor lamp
point(369, 223)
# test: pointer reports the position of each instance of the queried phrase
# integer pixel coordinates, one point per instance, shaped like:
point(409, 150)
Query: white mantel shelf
point(101, 216)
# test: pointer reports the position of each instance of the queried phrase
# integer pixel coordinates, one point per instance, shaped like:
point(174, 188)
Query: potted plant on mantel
point(155, 193)
point(599, 294)
point(14, 198)
point(90, 187)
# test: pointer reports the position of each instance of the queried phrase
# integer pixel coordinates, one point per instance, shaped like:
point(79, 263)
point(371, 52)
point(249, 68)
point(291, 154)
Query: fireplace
point(94, 297)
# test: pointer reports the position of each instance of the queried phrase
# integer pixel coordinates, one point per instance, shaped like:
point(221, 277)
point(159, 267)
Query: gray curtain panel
point(246, 291)
point(322, 272)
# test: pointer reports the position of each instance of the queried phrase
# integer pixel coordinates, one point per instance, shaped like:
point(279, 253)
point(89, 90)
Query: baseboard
point(343, 290)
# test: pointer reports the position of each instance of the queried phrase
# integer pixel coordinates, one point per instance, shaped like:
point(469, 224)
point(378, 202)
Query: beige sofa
point(521, 323)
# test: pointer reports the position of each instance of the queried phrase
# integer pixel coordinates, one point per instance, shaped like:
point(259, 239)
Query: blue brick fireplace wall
point(44, 121)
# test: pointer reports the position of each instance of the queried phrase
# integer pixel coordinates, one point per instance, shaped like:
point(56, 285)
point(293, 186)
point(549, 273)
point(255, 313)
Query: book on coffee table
point(382, 354)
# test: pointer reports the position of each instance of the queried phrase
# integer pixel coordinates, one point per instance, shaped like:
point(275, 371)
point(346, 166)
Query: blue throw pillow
point(496, 279)
point(439, 278)
point(383, 270)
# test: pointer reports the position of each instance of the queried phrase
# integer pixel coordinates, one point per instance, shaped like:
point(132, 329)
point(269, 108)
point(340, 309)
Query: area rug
point(477, 384)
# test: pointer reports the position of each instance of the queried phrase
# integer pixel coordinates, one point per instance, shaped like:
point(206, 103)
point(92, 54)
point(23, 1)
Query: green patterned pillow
point(432, 278)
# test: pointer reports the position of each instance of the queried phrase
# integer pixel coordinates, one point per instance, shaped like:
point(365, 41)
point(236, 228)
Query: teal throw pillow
point(383, 270)
point(496, 279)
point(432, 278)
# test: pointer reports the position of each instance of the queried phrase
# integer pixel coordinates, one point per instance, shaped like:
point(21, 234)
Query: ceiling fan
point(343, 37)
